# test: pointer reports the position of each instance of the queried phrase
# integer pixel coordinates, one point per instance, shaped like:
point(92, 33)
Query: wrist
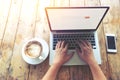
point(92, 63)
point(56, 65)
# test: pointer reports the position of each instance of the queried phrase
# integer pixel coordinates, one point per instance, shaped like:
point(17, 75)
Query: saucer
point(44, 54)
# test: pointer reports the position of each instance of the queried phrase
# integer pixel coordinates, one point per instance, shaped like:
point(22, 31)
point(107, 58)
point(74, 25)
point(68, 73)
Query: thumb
point(70, 55)
point(79, 52)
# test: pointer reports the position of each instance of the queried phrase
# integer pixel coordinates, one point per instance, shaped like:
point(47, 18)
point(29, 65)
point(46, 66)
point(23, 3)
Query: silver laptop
point(72, 24)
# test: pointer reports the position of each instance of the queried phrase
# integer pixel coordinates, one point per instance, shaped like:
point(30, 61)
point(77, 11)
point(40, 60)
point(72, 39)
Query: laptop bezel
point(107, 8)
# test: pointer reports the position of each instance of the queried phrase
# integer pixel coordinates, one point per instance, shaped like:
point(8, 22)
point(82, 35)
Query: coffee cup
point(33, 49)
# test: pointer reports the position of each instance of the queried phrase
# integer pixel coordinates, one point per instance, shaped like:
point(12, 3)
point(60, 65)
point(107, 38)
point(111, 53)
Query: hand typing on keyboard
point(61, 55)
point(85, 52)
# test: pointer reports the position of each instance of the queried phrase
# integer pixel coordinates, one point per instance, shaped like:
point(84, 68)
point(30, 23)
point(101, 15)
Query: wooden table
point(21, 20)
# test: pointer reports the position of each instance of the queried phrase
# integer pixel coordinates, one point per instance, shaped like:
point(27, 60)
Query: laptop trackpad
point(75, 60)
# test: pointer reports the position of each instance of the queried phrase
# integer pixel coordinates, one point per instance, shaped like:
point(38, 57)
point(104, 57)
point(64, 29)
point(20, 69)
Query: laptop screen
point(75, 18)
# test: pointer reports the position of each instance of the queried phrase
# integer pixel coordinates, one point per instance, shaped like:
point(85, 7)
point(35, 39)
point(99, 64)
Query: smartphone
point(111, 43)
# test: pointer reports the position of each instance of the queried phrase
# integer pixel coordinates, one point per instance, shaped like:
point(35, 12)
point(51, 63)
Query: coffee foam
point(33, 49)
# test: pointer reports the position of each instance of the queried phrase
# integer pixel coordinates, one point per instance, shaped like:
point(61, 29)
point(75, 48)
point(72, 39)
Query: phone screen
point(111, 42)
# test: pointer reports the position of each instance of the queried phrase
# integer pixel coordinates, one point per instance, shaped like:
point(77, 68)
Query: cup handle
point(41, 58)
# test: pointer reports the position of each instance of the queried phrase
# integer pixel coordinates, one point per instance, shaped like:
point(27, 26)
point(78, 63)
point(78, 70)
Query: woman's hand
point(85, 52)
point(61, 55)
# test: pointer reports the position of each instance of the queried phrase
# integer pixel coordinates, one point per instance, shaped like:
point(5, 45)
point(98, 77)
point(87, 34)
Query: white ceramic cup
point(33, 49)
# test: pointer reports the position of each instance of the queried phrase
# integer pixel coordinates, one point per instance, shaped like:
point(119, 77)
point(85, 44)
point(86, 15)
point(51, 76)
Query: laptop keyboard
point(72, 38)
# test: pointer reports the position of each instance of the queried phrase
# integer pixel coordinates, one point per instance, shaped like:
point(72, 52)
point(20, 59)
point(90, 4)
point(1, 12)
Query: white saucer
point(44, 54)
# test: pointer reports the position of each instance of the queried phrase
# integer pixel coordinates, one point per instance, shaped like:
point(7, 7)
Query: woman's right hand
point(85, 52)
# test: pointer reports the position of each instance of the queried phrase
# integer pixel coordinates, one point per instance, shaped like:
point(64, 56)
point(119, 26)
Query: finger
point(83, 42)
point(66, 46)
point(79, 52)
point(78, 45)
point(58, 44)
point(69, 56)
point(62, 44)
point(82, 47)
point(87, 42)
point(65, 42)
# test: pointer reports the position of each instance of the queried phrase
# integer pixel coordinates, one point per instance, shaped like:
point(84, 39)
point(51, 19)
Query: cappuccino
point(33, 49)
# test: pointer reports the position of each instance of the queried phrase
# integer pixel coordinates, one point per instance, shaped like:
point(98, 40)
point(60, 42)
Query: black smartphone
point(111, 43)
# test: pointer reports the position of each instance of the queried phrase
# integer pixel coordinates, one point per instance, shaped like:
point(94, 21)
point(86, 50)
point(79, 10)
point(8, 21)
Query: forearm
point(51, 73)
point(96, 71)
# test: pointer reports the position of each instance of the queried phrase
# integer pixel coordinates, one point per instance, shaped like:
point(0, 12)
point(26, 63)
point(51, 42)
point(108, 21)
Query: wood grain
point(61, 3)
point(19, 68)
point(4, 14)
point(8, 39)
point(77, 3)
point(92, 3)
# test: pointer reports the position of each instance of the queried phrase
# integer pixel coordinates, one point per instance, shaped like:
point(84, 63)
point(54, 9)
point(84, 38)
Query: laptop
point(75, 23)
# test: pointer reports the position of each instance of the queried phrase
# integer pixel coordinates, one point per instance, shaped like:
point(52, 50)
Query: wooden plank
point(38, 71)
point(52, 3)
point(74, 73)
point(64, 73)
point(111, 25)
point(42, 28)
point(8, 41)
point(26, 25)
point(62, 3)
point(86, 73)
point(92, 3)
point(4, 13)
point(114, 11)
point(77, 3)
